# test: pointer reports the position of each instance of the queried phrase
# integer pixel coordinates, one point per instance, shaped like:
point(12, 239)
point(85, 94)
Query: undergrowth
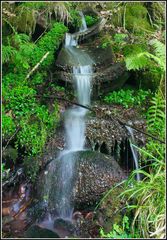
point(128, 98)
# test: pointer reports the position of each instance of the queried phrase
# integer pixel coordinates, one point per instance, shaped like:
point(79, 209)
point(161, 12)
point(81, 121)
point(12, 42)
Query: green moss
point(8, 126)
point(90, 20)
point(49, 42)
point(136, 18)
point(75, 18)
point(21, 107)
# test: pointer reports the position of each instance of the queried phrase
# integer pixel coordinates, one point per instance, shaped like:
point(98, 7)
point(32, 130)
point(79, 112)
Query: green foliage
point(4, 171)
point(75, 18)
point(106, 41)
point(136, 18)
point(21, 100)
point(32, 136)
point(57, 88)
point(120, 232)
point(120, 37)
point(159, 51)
point(90, 20)
point(21, 107)
point(156, 114)
point(49, 42)
point(35, 128)
point(8, 126)
point(128, 98)
point(7, 53)
point(146, 198)
point(139, 59)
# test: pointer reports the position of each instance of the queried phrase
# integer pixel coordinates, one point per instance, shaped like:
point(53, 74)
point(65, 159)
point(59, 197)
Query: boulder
point(93, 174)
point(107, 75)
point(38, 232)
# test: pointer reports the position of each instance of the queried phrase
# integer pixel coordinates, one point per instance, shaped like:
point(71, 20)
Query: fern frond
point(7, 53)
point(156, 113)
point(158, 60)
point(136, 62)
point(159, 48)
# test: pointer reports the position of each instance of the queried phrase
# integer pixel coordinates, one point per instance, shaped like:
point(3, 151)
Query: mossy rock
point(136, 18)
point(111, 209)
point(148, 79)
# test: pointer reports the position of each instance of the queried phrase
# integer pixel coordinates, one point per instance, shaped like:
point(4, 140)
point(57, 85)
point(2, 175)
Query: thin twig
point(41, 34)
point(66, 100)
point(90, 109)
point(149, 135)
point(37, 65)
point(11, 139)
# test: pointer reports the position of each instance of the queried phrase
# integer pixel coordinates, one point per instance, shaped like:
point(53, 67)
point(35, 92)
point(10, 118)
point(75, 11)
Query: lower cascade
point(74, 125)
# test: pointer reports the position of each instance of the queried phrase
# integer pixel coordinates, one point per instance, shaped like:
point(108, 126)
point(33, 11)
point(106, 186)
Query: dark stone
point(38, 232)
point(107, 75)
point(9, 155)
point(93, 174)
point(64, 228)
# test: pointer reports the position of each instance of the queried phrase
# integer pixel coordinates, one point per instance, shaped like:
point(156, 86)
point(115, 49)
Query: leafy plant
point(106, 41)
point(142, 59)
point(156, 114)
point(21, 107)
point(120, 232)
point(120, 37)
point(148, 195)
point(90, 20)
point(20, 100)
point(75, 18)
point(8, 126)
point(128, 97)
point(148, 198)
point(7, 53)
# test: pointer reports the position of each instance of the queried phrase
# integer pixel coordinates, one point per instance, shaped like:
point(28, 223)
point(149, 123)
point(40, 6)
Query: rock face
point(94, 173)
point(107, 74)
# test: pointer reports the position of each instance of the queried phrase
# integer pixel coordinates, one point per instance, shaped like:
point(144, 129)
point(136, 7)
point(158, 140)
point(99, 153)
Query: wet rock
point(64, 228)
point(93, 174)
point(111, 210)
point(104, 130)
point(103, 134)
point(38, 232)
point(9, 155)
point(15, 202)
point(107, 74)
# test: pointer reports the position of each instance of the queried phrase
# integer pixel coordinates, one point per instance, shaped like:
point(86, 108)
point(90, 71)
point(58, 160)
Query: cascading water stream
point(134, 151)
point(74, 122)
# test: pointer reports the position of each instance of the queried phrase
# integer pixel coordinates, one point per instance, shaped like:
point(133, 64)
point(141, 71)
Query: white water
point(134, 151)
point(83, 26)
point(74, 121)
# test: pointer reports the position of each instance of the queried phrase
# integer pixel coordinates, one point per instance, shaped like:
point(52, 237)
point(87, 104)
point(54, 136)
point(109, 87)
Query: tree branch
point(66, 100)
point(121, 122)
point(37, 65)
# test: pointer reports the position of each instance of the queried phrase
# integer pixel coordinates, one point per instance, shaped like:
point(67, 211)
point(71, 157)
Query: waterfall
point(74, 122)
point(134, 151)
point(83, 26)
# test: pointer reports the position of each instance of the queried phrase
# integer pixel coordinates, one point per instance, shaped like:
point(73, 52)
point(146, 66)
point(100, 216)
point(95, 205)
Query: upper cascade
point(83, 26)
point(71, 39)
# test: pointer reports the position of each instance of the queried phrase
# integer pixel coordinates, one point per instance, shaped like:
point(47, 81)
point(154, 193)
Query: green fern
point(7, 53)
point(137, 61)
point(21, 38)
point(159, 49)
point(156, 114)
point(140, 60)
